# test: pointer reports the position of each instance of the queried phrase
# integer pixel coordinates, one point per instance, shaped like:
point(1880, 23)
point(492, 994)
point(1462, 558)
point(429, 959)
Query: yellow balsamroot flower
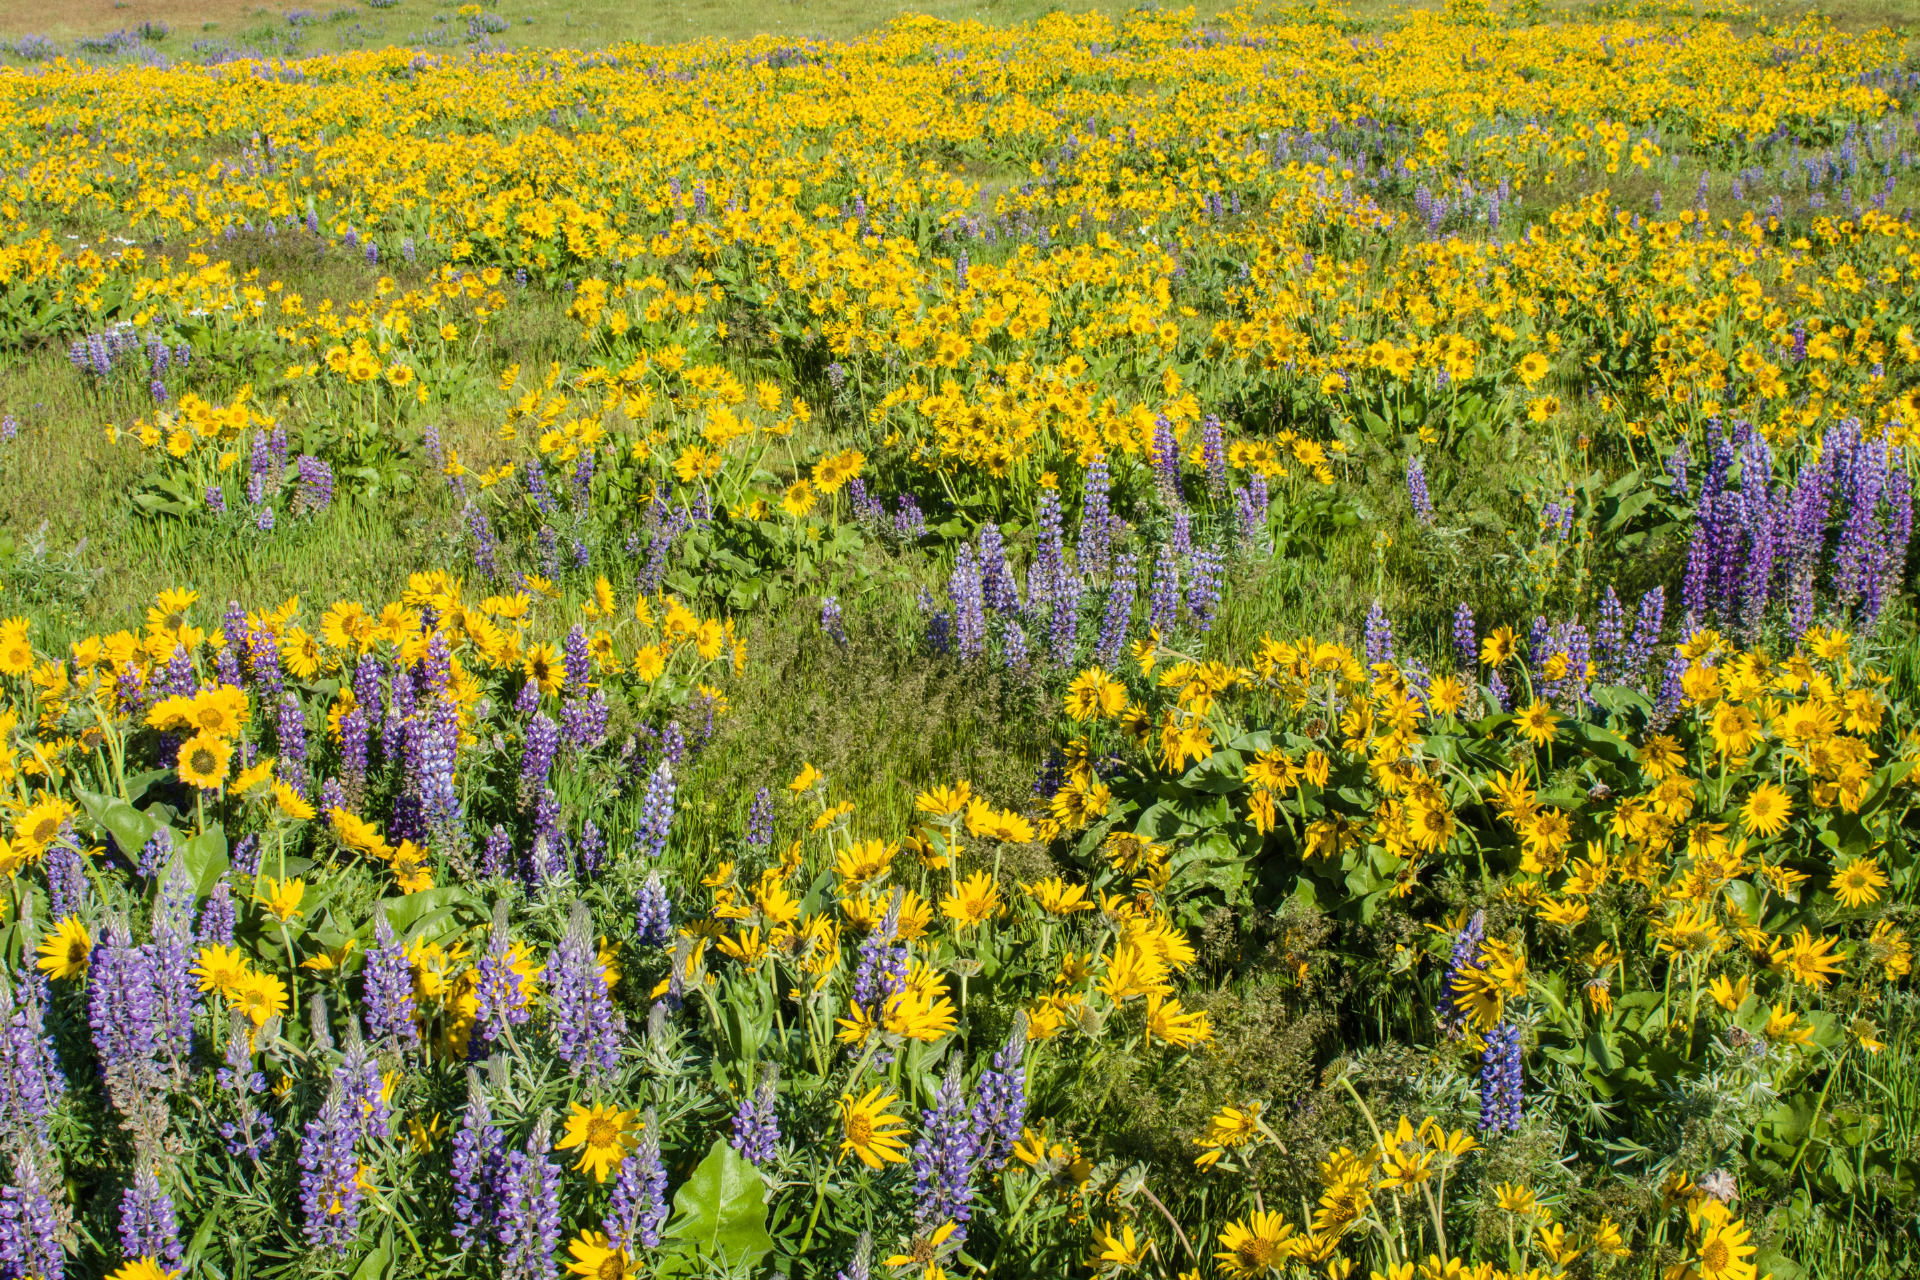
point(1123, 1250)
point(1169, 1024)
point(1721, 1242)
point(222, 969)
point(248, 779)
point(1230, 1128)
point(1095, 694)
point(260, 996)
point(1729, 995)
point(1858, 883)
point(282, 898)
point(602, 1135)
point(1536, 724)
point(291, 803)
point(1056, 897)
point(1259, 1245)
point(40, 826)
point(67, 951)
point(145, 1268)
point(870, 1131)
point(974, 901)
point(203, 761)
point(799, 499)
point(543, 666)
point(1807, 960)
point(595, 1257)
point(1767, 810)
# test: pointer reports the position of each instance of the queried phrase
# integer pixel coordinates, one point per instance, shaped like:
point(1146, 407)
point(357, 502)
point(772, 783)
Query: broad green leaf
point(130, 828)
point(206, 859)
point(722, 1210)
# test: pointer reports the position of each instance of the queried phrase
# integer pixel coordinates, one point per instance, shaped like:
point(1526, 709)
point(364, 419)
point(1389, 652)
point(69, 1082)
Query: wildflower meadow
point(1270, 642)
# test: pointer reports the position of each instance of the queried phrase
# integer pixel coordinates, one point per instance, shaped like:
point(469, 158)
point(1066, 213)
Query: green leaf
point(206, 859)
point(130, 828)
point(374, 1265)
point(722, 1210)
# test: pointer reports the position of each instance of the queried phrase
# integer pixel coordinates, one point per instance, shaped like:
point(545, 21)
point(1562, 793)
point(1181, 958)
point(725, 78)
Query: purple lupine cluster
point(1610, 637)
point(290, 728)
point(998, 590)
point(882, 970)
point(30, 1230)
point(1053, 589)
point(480, 529)
point(1163, 598)
point(1502, 1102)
point(760, 819)
point(1118, 618)
point(638, 1206)
point(502, 1001)
point(943, 1159)
point(330, 1191)
point(148, 1227)
point(1213, 457)
point(68, 888)
point(1166, 462)
point(1759, 543)
point(1204, 579)
point(1094, 543)
point(31, 1082)
point(587, 1029)
point(496, 856)
point(1672, 693)
point(909, 523)
point(1466, 957)
point(654, 914)
point(1250, 512)
point(253, 1134)
point(536, 759)
point(477, 1146)
point(756, 1123)
point(528, 1223)
point(1417, 492)
point(656, 813)
point(217, 916)
point(314, 490)
point(966, 591)
point(592, 847)
point(832, 622)
point(1000, 1100)
point(1379, 636)
point(583, 720)
point(1466, 639)
point(389, 988)
point(363, 1092)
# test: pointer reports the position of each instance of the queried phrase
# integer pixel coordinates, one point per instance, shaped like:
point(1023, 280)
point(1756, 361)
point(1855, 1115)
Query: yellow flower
point(222, 969)
point(974, 900)
point(260, 996)
point(595, 1257)
point(543, 666)
point(1767, 810)
point(280, 898)
point(1858, 883)
point(67, 951)
point(601, 1134)
point(203, 761)
point(1257, 1246)
point(144, 1268)
point(1123, 1250)
point(870, 1131)
point(799, 499)
point(1537, 723)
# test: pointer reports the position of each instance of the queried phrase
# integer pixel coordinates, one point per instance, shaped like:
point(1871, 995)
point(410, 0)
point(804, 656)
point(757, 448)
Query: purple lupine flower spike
point(944, 1158)
point(587, 1029)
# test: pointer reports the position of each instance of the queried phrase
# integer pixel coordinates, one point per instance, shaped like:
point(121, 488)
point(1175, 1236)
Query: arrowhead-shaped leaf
point(721, 1211)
